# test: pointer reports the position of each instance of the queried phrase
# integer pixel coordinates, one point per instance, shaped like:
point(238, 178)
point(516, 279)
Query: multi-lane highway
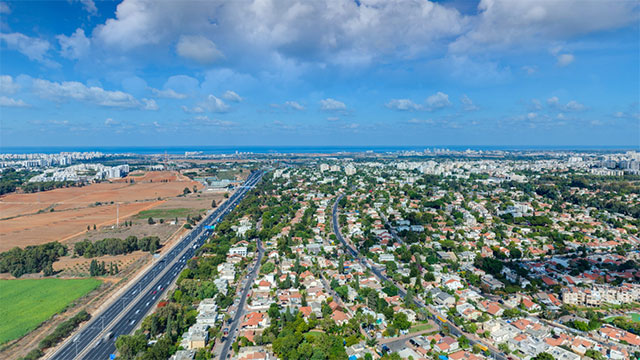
point(383, 278)
point(96, 340)
point(251, 277)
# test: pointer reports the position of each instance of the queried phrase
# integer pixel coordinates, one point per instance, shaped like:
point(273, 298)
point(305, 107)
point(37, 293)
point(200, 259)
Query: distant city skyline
point(320, 73)
point(292, 149)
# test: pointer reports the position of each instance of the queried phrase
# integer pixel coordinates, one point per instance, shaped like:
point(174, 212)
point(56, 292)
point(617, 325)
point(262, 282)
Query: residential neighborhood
point(448, 259)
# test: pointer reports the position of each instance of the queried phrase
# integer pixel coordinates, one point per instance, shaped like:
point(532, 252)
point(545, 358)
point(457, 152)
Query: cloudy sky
point(321, 72)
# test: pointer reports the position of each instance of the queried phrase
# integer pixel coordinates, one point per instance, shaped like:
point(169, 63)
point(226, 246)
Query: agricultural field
point(64, 214)
point(69, 266)
point(25, 304)
point(195, 203)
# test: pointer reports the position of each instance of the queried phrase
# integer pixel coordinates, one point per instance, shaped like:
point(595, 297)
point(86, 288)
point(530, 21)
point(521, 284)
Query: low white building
point(240, 250)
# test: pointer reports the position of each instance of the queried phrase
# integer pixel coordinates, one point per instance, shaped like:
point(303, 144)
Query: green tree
point(274, 311)
point(400, 321)
point(544, 356)
point(48, 270)
point(267, 268)
point(594, 354)
point(130, 345)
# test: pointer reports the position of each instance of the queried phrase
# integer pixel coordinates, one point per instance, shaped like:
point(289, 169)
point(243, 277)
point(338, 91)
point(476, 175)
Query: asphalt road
point(382, 277)
point(96, 340)
point(226, 345)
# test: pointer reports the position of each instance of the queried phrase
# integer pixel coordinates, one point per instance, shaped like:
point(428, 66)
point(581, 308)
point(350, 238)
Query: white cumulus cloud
point(330, 104)
point(74, 46)
point(89, 6)
point(60, 91)
point(467, 104)
point(554, 102)
point(508, 23)
point(232, 96)
point(574, 106)
point(7, 85)
point(10, 102)
point(33, 48)
point(402, 105)
point(149, 104)
point(198, 48)
point(438, 100)
point(338, 31)
point(565, 59)
point(294, 105)
point(167, 94)
point(214, 104)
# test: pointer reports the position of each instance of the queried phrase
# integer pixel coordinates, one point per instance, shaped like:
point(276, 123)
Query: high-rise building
point(350, 169)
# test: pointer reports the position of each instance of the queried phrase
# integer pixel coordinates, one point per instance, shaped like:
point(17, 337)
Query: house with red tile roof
point(339, 317)
point(255, 320)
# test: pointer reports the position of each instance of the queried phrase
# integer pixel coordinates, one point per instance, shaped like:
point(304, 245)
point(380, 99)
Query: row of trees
point(48, 185)
point(99, 269)
point(62, 331)
point(115, 246)
point(31, 259)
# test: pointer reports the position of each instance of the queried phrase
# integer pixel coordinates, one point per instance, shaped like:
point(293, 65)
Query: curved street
point(473, 339)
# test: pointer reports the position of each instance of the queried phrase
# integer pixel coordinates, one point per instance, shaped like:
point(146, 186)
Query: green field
point(420, 327)
point(635, 317)
point(168, 214)
point(25, 304)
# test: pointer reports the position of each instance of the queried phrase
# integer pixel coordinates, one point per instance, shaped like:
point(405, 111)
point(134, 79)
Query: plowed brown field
point(26, 219)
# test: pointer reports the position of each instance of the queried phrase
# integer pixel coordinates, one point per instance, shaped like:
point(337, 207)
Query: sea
point(213, 150)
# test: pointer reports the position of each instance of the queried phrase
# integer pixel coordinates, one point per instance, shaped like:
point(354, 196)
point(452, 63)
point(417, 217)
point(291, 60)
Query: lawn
point(25, 304)
point(635, 317)
point(420, 327)
point(168, 214)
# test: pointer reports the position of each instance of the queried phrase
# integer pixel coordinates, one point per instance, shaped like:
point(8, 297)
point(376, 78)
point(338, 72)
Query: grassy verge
point(25, 304)
point(168, 213)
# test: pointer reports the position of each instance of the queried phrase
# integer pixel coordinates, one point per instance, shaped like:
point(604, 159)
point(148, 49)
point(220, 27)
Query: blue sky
point(322, 72)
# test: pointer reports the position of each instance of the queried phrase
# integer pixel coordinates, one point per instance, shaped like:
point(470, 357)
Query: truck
point(108, 336)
